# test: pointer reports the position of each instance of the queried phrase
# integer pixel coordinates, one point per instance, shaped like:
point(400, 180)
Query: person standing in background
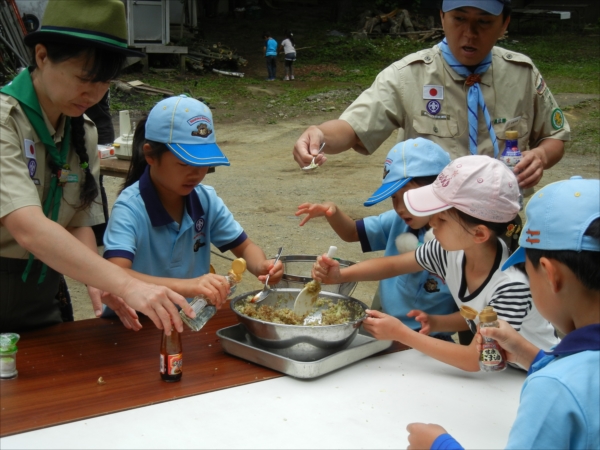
point(288, 46)
point(270, 50)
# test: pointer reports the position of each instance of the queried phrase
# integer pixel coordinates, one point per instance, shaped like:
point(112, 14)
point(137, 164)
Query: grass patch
point(585, 128)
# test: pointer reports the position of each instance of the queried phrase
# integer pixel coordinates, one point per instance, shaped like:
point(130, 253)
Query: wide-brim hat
point(90, 23)
point(407, 160)
point(185, 125)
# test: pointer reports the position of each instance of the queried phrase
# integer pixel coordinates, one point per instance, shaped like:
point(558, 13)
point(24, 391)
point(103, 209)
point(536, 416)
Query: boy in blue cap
point(412, 298)
point(163, 223)
point(561, 395)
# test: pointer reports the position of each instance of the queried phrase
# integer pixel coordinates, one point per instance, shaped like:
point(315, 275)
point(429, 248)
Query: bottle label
point(171, 364)
point(490, 355)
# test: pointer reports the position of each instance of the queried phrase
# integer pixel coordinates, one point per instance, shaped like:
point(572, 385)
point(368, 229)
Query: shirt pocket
point(521, 126)
point(443, 126)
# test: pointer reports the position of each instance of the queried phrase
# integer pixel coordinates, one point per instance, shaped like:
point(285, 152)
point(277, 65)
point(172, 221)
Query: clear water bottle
point(511, 156)
point(205, 311)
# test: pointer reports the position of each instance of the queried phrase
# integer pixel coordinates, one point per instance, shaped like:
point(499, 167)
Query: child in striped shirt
point(471, 202)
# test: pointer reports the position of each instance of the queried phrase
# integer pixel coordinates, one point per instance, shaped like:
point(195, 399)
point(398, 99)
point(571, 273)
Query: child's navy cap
point(406, 160)
point(557, 217)
point(185, 125)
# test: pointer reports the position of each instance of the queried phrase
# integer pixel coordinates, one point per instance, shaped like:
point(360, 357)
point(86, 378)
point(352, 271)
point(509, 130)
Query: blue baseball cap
point(406, 160)
point(557, 217)
point(185, 125)
point(493, 7)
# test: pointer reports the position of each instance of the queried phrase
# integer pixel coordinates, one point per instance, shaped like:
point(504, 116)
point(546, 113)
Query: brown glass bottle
point(171, 357)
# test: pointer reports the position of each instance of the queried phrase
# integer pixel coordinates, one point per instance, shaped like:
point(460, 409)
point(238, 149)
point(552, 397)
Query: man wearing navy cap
point(463, 94)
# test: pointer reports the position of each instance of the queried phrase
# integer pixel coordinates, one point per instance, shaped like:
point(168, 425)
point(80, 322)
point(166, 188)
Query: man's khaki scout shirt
point(515, 94)
point(25, 175)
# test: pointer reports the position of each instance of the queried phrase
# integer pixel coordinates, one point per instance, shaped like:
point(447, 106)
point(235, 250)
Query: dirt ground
point(264, 185)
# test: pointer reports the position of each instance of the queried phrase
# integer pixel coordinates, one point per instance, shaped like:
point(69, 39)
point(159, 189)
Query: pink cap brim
point(423, 202)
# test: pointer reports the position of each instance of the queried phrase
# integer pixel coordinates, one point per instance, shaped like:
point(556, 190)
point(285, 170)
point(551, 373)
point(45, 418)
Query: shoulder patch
point(540, 84)
point(557, 119)
point(424, 56)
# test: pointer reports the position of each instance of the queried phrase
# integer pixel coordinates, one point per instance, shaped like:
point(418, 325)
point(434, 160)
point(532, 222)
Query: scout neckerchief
point(22, 89)
point(475, 98)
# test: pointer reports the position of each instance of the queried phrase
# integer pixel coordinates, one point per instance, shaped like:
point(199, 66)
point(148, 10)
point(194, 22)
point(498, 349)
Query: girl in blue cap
point(49, 197)
point(164, 222)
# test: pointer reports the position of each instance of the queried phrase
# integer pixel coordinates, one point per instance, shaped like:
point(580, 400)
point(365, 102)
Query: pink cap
point(477, 185)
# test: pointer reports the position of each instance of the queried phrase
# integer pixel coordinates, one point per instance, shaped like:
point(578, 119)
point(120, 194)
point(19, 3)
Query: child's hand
point(383, 326)
point(423, 318)
point(518, 349)
point(422, 435)
point(326, 270)
point(214, 287)
point(127, 314)
point(313, 210)
point(275, 271)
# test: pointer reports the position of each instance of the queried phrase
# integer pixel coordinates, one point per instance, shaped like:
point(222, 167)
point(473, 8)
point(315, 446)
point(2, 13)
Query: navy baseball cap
point(493, 7)
point(557, 217)
point(185, 125)
point(406, 160)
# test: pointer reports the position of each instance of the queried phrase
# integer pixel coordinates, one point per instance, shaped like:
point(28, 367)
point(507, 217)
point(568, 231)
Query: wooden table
point(59, 369)
point(114, 167)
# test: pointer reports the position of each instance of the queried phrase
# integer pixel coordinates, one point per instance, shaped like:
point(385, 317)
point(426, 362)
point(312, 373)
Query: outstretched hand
point(313, 210)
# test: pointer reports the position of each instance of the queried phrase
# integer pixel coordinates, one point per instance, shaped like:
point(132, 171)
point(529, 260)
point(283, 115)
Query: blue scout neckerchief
point(474, 96)
point(22, 89)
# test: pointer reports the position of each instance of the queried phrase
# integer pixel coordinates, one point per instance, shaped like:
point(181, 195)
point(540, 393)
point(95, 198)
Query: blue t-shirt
point(398, 295)
point(271, 45)
point(141, 230)
point(560, 400)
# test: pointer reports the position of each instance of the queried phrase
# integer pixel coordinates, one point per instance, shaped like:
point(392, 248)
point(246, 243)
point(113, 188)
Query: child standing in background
point(409, 165)
point(288, 46)
point(560, 397)
point(163, 223)
point(270, 50)
point(470, 204)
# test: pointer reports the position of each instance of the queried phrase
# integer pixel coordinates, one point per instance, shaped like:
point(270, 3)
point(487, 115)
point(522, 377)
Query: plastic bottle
point(8, 355)
point(469, 314)
point(171, 357)
point(511, 156)
point(204, 311)
point(492, 357)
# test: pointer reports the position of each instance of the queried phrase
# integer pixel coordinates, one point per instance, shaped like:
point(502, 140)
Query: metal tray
point(236, 342)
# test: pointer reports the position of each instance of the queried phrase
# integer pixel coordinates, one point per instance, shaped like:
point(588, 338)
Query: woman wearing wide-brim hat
point(49, 196)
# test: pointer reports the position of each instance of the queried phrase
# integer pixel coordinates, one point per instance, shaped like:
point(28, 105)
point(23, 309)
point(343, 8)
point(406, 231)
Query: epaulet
point(515, 57)
point(423, 56)
point(9, 103)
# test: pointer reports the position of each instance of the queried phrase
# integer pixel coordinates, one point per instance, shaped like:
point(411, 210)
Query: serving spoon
point(266, 291)
point(312, 164)
point(307, 296)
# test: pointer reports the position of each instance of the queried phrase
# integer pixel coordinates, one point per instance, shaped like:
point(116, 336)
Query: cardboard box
point(106, 151)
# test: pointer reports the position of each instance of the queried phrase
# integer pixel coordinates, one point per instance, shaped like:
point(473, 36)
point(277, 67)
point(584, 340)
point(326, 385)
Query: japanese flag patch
point(433, 92)
point(29, 149)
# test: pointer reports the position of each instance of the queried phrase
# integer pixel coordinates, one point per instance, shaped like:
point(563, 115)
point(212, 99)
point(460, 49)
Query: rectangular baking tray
point(236, 342)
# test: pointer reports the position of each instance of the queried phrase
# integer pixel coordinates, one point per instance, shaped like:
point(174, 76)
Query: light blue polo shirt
point(141, 230)
point(271, 45)
point(400, 294)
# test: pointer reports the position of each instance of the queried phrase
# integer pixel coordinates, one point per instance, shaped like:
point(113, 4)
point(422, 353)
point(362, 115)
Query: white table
point(365, 405)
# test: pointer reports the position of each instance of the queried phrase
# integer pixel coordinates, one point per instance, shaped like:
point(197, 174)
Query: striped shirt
point(506, 291)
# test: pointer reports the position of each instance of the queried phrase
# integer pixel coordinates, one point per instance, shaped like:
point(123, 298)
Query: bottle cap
point(238, 266)
point(488, 315)
point(8, 342)
point(468, 313)
point(512, 134)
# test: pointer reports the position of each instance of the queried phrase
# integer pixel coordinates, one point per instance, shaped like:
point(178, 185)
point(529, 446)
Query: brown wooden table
point(59, 367)
point(114, 167)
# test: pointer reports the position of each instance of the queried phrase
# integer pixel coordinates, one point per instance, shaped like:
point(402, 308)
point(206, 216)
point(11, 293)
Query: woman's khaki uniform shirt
point(515, 93)
point(25, 175)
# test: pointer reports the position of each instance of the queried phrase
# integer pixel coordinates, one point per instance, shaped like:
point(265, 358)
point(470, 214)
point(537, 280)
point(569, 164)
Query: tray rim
point(383, 345)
